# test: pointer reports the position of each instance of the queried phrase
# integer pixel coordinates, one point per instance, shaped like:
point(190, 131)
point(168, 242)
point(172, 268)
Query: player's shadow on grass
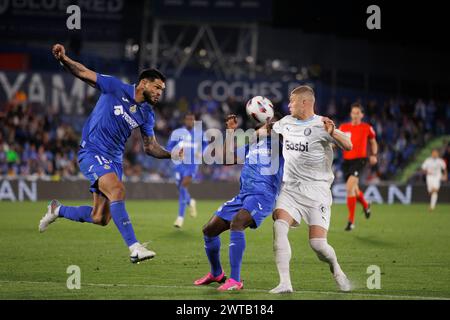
point(370, 240)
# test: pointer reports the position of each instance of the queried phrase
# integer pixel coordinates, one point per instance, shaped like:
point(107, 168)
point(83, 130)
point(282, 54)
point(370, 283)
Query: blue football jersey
point(263, 168)
point(115, 115)
point(192, 141)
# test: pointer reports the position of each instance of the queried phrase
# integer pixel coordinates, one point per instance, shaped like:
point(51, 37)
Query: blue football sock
point(212, 247)
point(181, 201)
point(187, 196)
point(122, 221)
point(80, 214)
point(237, 247)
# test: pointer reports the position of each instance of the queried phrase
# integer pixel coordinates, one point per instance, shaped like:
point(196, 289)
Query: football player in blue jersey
point(120, 109)
point(260, 182)
point(191, 139)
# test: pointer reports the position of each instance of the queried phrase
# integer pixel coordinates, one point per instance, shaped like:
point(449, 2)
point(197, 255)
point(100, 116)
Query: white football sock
point(282, 250)
point(326, 253)
point(434, 197)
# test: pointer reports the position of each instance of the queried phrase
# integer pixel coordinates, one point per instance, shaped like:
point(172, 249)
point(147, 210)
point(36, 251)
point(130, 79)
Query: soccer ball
point(260, 109)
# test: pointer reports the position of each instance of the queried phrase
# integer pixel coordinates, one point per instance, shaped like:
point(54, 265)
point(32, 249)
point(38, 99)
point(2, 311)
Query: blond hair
point(304, 90)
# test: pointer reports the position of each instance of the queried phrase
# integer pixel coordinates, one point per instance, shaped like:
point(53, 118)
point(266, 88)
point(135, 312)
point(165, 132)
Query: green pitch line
point(409, 245)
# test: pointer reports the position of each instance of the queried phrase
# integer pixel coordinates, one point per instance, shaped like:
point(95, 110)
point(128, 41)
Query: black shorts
point(353, 167)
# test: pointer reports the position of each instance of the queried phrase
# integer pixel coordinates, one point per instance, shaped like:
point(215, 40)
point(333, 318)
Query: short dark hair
point(357, 105)
point(152, 74)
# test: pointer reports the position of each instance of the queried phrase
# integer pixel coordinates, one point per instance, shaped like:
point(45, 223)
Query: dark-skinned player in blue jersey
point(260, 182)
point(120, 108)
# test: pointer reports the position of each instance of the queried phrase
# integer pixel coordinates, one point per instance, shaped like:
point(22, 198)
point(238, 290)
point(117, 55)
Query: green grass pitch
point(410, 245)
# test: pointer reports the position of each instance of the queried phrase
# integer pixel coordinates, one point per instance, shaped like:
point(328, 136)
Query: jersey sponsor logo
point(118, 111)
point(125, 99)
point(259, 151)
point(297, 146)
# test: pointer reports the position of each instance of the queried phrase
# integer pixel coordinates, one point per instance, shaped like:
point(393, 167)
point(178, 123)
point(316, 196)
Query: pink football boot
point(231, 284)
point(209, 278)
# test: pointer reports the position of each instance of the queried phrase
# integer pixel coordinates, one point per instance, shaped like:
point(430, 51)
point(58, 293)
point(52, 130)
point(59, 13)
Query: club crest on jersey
point(307, 131)
point(133, 108)
point(106, 167)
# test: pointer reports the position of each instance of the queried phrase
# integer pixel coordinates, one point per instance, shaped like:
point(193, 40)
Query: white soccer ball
point(260, 109)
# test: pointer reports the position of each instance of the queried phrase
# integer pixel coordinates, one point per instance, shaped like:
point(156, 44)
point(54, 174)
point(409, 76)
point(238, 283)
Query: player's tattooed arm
point(76, 68)
point(339, 137)
point(154, 149)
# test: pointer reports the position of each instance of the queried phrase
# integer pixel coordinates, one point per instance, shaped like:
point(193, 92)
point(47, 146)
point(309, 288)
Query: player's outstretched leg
point(98, 214)
point(113, 188)
point(282, 250)
point(211, 232)
point(326, 253)
point(240, 222)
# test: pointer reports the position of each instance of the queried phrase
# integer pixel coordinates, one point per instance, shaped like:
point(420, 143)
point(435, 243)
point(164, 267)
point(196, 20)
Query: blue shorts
point(93, 165)
point(259, 205)
point(182, 171)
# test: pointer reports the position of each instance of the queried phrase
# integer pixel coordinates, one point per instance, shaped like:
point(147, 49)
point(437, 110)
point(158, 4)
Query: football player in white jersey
point(305, 193)
point(435, 170)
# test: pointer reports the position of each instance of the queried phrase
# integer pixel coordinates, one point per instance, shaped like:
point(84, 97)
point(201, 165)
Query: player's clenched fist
point(231, 122)
point(328, 125)
point(58, 51)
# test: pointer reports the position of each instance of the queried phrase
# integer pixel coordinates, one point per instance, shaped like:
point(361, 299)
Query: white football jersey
point(307, 150)
point(434, 167)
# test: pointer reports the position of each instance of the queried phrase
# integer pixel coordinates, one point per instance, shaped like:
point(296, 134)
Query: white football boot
point(179, 222)
point(342, 282)
point(282, 288)
point(193, 208)
point(139, 252)
point(50, 216)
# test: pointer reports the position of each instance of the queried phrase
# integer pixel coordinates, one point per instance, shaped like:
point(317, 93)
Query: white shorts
point(433, 183)
point(308, 202)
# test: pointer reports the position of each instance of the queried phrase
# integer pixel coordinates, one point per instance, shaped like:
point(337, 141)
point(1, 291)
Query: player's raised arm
point(76, 68)
point(229, 146)
point(154, 149)
point(340, 138)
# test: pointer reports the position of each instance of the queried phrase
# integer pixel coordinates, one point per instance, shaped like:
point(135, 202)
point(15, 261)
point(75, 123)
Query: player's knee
point(240, 221)
point(117, 192)
point(351, 191)
point(99, 220)
point(208, 231)
point(237, 225)
point(318, 245)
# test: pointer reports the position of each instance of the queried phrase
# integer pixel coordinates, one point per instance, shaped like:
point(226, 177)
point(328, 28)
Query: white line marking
point(245, 290)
